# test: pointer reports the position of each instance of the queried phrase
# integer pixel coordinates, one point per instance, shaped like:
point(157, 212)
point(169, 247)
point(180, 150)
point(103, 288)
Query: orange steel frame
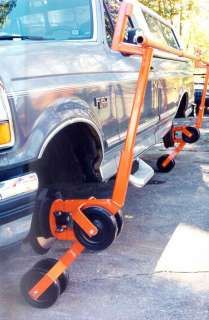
point(181, 144)
point(75, 207)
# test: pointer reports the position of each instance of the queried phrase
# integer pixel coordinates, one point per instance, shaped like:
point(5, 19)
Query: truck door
point(169, 71)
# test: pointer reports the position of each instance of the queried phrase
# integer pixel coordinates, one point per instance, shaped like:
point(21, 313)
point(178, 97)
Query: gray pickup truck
point(66, 97)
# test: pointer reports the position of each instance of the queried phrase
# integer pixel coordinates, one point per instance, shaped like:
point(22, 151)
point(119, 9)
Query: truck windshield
point(46, 19)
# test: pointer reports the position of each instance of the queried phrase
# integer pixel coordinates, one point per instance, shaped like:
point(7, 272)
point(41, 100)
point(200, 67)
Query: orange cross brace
point(70, 256)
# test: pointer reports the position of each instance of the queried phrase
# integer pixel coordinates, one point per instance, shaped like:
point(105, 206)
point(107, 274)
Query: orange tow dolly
point(189, 134)
point(95, 223)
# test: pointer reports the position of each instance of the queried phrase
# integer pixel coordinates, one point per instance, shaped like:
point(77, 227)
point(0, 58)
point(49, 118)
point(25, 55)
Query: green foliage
point(166, 8)
point(171, 8)
point(188, 16)
point(5, 9)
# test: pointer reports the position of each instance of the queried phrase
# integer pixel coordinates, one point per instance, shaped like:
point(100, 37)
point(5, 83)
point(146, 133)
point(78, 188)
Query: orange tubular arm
point(199, 61)
point(118, 43)
point(203, 99)
point(125, 165)
point(126, 11)
point(70, 256)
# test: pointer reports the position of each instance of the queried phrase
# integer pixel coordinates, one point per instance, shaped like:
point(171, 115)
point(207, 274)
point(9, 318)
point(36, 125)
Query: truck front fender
point(50, 122)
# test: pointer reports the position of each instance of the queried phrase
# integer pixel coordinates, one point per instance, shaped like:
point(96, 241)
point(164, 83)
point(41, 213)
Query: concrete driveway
point(157, 270)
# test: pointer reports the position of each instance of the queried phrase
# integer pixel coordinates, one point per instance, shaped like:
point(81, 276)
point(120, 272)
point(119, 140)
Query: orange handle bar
point(180, 53)
point(143, 41)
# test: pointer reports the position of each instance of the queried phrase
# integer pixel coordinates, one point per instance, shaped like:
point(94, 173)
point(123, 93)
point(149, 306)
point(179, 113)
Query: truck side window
point(169, 36)
point(109, 27)
point(47, 19)
point(161, 31)
point(113, 7)
point(154, 28)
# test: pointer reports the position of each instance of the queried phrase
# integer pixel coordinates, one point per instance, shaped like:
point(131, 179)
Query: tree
point(172, 8)
point(188, 9)
point(165, 8)
point(188, 18)
point(5, 8)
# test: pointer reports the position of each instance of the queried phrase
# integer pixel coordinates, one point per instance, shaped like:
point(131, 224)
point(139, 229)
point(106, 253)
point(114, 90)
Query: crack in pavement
point(129, 277)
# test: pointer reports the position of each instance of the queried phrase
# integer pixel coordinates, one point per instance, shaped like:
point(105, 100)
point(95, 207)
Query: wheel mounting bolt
point(92, 232)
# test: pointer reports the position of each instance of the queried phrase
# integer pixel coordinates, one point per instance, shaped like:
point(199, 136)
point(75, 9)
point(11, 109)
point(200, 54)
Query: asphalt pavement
point(158, 269)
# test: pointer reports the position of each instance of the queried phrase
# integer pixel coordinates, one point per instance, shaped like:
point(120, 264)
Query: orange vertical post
point(203, 100)
point(126, 160)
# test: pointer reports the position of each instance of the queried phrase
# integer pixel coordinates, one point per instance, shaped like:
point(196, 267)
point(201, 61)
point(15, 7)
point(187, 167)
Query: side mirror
point(134, 36)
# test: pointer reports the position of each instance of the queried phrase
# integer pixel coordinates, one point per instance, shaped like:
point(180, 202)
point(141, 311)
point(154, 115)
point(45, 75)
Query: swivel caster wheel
point(195, 135)
point(120, 222)
point(106, 225)
point(46, 264)
point(48, 298)
point(168, 168)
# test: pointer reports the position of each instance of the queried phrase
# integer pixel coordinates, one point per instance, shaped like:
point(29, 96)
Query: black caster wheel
point(120, 222)
point(107, 229)
point(168, 168)
point(195, 135)
point(48, 298)
point(46, 264)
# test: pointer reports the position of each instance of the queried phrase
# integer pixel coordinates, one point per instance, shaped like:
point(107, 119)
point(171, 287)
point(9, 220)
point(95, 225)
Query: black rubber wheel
point(168, 168)
point(195, 135)
point(120, 222)
point(46, 265)
point(107, 229)
point(48, 298)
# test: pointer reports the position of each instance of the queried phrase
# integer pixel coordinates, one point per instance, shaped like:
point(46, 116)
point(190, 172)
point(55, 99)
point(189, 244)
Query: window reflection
point(53, 19)
point(161, 31)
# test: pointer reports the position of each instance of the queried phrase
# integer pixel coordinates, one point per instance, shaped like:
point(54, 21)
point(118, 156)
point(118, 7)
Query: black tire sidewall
point(168, 168)
point(195, 135)
point(29, 280)
point(48, 263)
point(111, 230)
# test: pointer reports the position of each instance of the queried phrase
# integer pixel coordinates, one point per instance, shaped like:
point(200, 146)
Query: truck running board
point(143, 174)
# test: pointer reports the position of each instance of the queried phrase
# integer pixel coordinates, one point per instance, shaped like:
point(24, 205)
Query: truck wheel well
point(183, 106)
point(73, 156)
